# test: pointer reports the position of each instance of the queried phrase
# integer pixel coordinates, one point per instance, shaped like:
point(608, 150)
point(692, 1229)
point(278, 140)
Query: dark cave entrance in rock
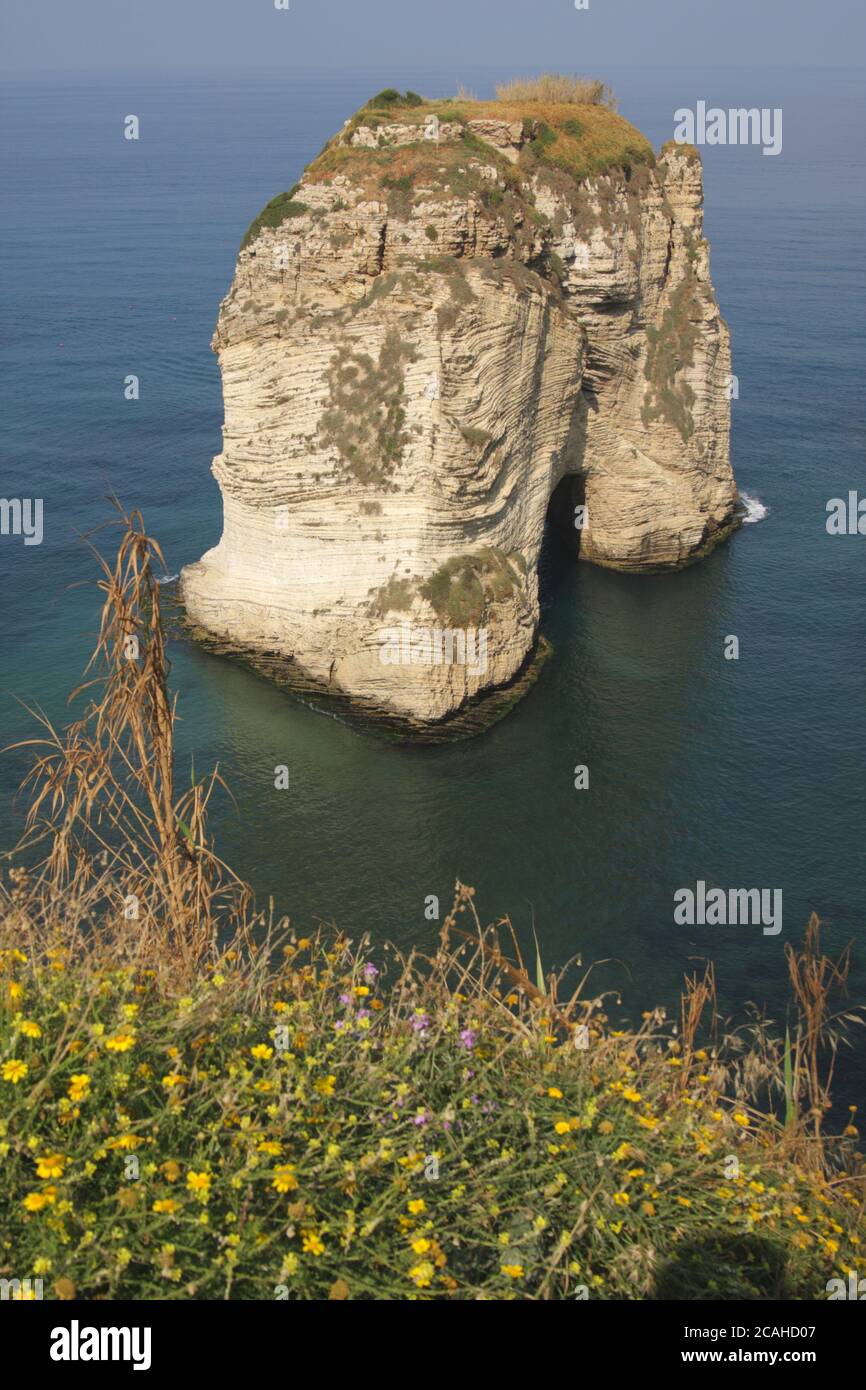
point(560, 545)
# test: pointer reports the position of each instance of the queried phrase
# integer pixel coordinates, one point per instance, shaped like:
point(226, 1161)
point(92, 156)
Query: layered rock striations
point(459, 306)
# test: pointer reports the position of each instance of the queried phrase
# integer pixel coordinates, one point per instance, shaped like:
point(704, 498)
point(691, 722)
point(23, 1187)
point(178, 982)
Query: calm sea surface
point(114, 258)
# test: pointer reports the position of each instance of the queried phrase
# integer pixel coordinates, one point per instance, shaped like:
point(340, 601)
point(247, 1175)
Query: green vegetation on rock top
point(391, 97)
point(570, 128)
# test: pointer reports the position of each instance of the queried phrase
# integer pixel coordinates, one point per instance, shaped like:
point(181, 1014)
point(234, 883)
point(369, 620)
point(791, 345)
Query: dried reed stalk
point(123, 852)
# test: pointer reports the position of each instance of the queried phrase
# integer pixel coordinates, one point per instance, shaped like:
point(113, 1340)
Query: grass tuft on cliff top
point(556, 87)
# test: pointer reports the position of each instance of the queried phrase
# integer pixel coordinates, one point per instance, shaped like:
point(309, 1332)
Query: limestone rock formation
point(460, 305)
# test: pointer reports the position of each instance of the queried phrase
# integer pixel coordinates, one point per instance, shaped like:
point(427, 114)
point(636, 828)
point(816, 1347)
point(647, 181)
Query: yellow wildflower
point(50, 1165)
point(35, 1201)
point(422, 1274)
point(199, 1183)
point(125, 1141)
point(284, 1179)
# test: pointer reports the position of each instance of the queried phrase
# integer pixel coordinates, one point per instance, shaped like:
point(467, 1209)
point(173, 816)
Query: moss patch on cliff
point(671, 348)
point(394, 597)
point(364, 418)
point(274, 213)
point(461, 589)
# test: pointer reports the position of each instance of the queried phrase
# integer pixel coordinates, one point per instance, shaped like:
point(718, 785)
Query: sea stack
point(462, 308)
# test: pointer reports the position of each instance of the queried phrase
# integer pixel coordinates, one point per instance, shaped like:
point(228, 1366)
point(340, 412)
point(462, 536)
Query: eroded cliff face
point(456, 308)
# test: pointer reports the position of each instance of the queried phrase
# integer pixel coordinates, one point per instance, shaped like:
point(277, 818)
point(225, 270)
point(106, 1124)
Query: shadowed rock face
point(449, 315)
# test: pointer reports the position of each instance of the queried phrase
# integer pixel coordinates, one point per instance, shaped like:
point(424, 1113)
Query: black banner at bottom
point(58, 1340)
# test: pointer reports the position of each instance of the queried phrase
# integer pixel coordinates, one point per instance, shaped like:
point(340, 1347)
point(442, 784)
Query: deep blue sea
point(746, 773)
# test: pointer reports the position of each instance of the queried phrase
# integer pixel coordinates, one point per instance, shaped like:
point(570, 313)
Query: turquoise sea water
point(751, 773)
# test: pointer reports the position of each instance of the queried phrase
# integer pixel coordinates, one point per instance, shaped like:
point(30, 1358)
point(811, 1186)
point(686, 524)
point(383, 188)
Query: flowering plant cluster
point(304, 1123)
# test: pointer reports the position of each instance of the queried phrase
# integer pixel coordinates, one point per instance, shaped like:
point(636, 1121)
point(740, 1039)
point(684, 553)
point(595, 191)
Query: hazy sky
point(517, 35)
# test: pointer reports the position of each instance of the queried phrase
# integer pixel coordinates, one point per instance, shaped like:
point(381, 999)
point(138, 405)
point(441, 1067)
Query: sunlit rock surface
point(460, 305)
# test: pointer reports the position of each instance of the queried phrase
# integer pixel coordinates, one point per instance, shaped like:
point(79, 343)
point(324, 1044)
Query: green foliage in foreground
point(300, 1125)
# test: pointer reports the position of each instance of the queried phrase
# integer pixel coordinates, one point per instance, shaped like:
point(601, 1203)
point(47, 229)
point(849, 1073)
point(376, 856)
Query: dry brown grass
point(557, 88)
point(109, 844)
point(699, 993)
point(815, 978)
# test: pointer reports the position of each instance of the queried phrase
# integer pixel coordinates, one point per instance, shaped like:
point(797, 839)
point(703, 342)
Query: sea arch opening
point(560, 542)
